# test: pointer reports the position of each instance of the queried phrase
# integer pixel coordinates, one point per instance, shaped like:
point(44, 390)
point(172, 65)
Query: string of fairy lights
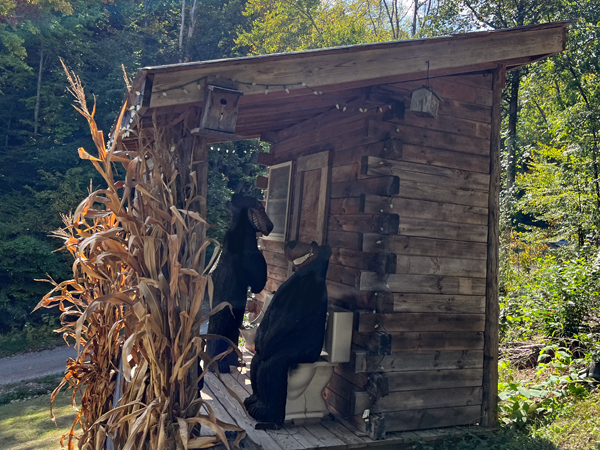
point(339, 104)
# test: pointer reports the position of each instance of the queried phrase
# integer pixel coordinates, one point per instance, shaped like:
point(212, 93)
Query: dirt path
point(29, 366)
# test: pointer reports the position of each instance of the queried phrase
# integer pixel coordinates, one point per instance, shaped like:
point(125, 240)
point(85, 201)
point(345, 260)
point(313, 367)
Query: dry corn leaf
point(133, 306)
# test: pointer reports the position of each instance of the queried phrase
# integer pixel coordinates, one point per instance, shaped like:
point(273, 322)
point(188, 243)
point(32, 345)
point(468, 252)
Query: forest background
point(550, 274)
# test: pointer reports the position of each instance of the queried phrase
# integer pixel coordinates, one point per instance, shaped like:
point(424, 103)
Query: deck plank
point(342, 433)
point(285, 439)
point(325, 437)
point(352, 429)
point(219, 411)
point(310, 435)
point(303, 436)
point(336, 434)
point(259, 437)
point(237, 382)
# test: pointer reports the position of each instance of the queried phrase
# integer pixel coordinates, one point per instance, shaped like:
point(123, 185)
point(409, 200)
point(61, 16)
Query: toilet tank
point(338, 335)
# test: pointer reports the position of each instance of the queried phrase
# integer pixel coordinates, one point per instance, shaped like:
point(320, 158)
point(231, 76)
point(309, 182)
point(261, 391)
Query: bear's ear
point(325, 251)
point(237, 200)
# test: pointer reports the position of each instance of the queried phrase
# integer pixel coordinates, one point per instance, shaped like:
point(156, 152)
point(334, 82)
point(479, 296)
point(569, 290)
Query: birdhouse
point(424, 102)
point(220, 109)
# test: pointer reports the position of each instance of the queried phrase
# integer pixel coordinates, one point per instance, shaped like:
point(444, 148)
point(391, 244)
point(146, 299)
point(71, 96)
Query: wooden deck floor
point(329, 433)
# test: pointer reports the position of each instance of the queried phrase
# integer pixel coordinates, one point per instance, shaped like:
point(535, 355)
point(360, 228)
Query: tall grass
point(134, 300)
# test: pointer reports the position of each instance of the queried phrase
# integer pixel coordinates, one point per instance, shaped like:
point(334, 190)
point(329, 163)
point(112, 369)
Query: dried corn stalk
point(135, 298)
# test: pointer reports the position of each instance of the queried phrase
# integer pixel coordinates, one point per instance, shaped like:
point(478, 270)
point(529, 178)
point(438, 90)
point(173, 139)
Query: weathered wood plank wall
point(408, 224)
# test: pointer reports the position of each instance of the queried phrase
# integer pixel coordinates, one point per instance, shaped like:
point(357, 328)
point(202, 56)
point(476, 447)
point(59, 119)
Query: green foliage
point(502, 439)
point(577, 427)
point(559, 187)
point(26, 390)
point(550, 293)
point(34, 194)
point(23, 260)
point(38, 333)
point(232, 169)
point(283, 26)
point(557, 383)
point(41, 176)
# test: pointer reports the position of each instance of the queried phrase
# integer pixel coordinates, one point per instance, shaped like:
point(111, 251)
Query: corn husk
point(133, 307)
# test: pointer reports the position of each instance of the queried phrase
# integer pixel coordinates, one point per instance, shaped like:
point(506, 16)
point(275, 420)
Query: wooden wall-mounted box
point(220, 109)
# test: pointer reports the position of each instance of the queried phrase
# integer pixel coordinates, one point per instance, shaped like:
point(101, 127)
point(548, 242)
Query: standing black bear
point(292, 332)
point(240, 265)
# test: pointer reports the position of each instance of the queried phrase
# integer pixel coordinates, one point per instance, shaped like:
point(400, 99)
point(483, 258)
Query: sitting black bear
point(240, 265)
point(291, 332)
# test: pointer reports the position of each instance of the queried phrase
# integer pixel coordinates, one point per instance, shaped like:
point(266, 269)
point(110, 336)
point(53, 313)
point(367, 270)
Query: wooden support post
point(379, 385)
point(489, 415)
point(377, 427)
point(383, 263)
point(388, 224)
point(200, 166)
point(378, 342)
point(201, 158)
point(384, 301)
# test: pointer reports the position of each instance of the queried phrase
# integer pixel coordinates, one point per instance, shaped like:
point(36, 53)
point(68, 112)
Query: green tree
point(41, 175)
point(560, 105)
point(497, 14)
point(289, 25)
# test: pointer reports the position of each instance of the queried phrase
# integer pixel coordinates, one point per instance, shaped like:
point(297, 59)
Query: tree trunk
point(36, 110)
point(513, 118)
point(192, 20)
point(181, 31)
point(414, 22)
point(146, 13)
point(191, 27)
point(7, 132)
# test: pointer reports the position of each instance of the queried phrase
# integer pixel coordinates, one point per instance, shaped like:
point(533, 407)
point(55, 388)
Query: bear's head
point(255, 211)
point(302, 254)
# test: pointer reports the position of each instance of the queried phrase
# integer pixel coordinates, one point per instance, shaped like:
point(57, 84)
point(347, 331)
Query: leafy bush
point(558, 381)
point(504, 439)
point(552, 293)
point(22, 260)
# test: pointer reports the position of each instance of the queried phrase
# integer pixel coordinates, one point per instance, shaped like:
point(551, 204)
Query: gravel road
point(32, 365)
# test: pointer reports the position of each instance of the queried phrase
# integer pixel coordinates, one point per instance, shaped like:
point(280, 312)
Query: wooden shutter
point(311, 198)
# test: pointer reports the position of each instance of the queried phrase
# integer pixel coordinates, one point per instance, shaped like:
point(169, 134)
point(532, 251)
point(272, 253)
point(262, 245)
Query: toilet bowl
point(248, 332)
point(306, 382)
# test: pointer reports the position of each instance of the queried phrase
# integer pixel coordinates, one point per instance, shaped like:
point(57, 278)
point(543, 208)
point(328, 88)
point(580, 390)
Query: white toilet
point(307, 381)
point(248, 332)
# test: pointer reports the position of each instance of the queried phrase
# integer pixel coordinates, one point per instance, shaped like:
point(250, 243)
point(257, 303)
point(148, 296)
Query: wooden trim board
point(490, 360)
point(351, 64)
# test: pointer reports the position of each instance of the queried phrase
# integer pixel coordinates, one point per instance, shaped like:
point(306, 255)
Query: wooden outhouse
point(405, 192)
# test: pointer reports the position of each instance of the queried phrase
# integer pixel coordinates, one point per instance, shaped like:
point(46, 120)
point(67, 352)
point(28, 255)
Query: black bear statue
point(241, 264)
point(291, 332)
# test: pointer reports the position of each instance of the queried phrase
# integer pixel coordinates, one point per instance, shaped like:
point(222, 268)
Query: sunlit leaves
point(557, 189)
point(288, 25)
